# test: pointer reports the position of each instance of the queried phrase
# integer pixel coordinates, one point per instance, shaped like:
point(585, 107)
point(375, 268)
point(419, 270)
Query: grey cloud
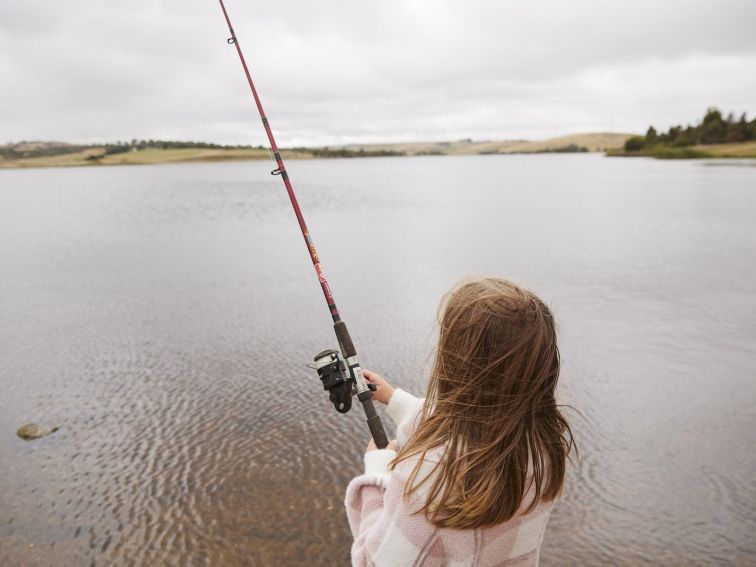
point(339, 71)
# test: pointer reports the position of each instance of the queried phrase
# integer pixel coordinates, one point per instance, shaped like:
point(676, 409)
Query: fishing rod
point(341, 380)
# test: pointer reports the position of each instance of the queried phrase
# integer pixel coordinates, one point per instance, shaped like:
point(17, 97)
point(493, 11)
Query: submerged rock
point(32, 431)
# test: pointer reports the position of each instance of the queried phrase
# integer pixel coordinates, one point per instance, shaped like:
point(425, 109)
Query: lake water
point(163, 316)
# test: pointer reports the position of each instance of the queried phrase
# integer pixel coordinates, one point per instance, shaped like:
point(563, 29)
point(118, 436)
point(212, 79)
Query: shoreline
point(50, 154)
point(99, 156)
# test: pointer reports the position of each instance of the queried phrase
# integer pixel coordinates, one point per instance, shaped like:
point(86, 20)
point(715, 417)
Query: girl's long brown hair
point(491, 406)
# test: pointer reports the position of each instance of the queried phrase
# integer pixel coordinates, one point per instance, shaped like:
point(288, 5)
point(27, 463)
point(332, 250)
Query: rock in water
point(32, 431)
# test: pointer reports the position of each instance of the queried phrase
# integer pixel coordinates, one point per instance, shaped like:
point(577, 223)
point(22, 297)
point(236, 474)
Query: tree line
point(327, 152)
point(175, 145)
point(21, 150)
point(713, 129)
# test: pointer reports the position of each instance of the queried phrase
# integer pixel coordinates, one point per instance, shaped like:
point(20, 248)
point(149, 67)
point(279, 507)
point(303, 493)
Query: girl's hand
point(392, 445)
point(383, 391)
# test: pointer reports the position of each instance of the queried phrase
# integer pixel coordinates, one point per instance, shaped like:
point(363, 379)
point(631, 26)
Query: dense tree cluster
point(714, 129)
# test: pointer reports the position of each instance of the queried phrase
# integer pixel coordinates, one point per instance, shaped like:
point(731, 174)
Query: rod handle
point(365, 396)
point(345, 341)
point(374, 423)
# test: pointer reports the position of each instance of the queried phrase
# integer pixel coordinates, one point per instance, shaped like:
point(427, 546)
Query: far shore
point(56, 154)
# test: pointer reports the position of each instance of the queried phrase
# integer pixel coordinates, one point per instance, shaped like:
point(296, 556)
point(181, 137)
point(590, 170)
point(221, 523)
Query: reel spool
point(335, 377)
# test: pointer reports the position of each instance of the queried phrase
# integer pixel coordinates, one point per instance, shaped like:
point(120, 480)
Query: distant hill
point(593, 142)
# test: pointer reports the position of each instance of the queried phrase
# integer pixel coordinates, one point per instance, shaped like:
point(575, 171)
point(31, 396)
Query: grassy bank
point(591, 142)
point(701, 151)
point(97, 156)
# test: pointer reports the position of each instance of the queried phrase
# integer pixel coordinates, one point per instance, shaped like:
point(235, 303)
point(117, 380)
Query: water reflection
point(163, 315)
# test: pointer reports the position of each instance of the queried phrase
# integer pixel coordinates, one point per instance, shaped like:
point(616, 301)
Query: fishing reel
point(336, 378)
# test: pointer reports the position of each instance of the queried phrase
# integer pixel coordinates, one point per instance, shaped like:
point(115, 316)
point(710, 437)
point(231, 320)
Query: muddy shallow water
point(162, 316)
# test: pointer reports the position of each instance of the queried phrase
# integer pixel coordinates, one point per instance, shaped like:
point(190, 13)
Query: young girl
point(473, 473)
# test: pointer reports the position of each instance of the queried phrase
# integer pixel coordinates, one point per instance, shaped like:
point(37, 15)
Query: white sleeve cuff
point(376, 462)
point(402, 406)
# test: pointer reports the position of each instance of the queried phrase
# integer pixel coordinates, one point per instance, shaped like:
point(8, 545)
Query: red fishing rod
point(341, 380)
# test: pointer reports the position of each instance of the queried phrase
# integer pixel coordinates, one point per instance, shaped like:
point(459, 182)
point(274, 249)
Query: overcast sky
point(338, 71)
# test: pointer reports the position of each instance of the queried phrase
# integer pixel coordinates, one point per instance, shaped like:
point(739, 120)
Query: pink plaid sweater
point(388, 533)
